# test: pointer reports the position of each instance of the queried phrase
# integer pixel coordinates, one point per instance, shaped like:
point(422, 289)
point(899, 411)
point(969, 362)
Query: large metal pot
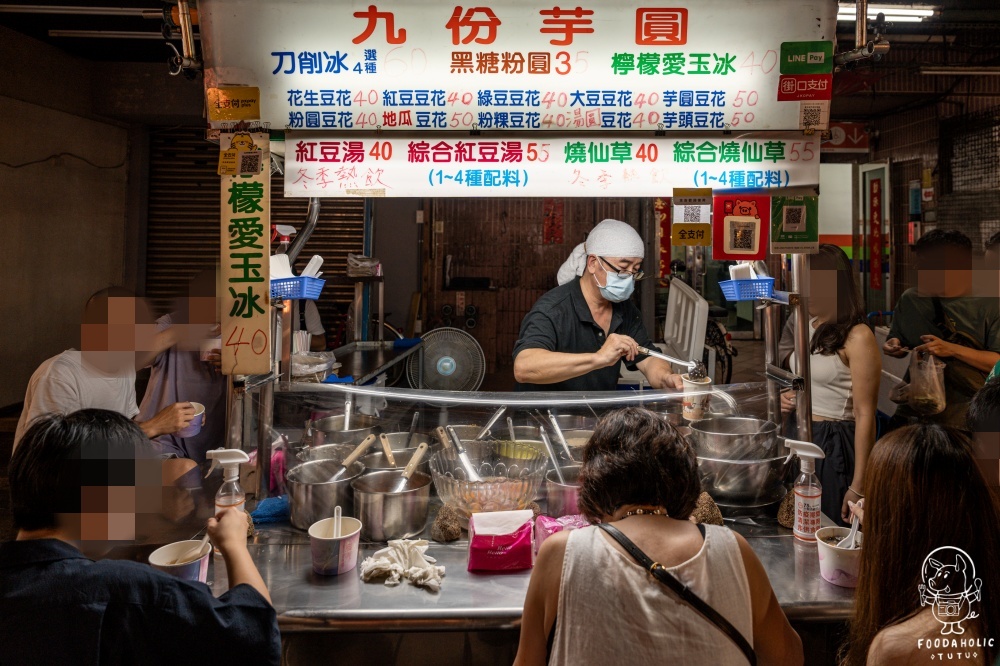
point(326, 452)
point(399, 441)
point(386, 515)
point(743, 483)
point(735, 438)
point(562, 496)
point(377, 462)
point(312, 495)
point(331, 429)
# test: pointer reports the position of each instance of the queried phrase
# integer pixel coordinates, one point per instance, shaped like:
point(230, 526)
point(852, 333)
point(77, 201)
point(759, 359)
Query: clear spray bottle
point(807, 489)
point(230, 493)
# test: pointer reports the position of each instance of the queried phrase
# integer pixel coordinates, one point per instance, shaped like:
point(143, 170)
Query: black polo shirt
point(561, 322)
point(59, 607)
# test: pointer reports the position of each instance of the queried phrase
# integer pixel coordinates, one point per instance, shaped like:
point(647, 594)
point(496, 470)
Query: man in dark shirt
point(80, 480)
point(577, 335)
point(943, 318)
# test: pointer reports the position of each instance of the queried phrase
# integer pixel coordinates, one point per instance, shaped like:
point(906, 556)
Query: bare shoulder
point(861, 333)
point(553, 552)
point(898, 644)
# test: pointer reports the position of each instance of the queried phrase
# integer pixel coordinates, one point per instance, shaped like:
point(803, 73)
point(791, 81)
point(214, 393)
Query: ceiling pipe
point(82, 11)
point(863, 49)
point(109, 34)
point(861, 25)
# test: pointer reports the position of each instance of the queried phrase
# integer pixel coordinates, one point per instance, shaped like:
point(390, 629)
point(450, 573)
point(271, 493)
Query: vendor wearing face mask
point(577, 335)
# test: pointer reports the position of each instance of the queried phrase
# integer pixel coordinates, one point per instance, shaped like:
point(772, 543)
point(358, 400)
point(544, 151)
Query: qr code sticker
point(250, 162)
point(814, 114)
point(741, 235)
point(692, 213)
point(794, 219)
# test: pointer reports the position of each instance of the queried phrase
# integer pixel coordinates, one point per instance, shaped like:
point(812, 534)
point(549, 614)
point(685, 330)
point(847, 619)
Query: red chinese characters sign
point(875, 245)
point(661, 207)
point(510, 65)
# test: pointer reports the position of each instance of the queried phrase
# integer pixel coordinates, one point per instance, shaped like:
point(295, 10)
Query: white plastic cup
point(196, 570)
point(332, 556)
point(194, 427)
point(696, 397)
point(209, 346)
point(838, 566)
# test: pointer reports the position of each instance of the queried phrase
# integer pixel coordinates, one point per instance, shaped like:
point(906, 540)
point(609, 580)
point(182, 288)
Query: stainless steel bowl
point(326, 452)
point(743, 483)
point(401, 440)
point(377, 462)
point(735, 438)
point(386, 515)
point(331, 429)
point(312, 495)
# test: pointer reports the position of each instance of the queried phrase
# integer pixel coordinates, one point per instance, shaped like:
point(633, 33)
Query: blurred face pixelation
point(113, 330)
point(823, 293)
point(944, 271)
point(122, 510)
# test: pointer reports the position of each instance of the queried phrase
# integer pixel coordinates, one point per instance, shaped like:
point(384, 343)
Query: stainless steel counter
point(469, 601)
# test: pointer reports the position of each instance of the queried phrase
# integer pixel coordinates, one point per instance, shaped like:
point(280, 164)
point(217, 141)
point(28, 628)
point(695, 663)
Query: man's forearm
point(541, 366)
point(979, 359)
point(241, 570)
point(149, 428)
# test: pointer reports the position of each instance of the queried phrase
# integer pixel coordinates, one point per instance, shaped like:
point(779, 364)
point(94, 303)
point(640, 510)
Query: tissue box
point(501, 541)
point(546, 527)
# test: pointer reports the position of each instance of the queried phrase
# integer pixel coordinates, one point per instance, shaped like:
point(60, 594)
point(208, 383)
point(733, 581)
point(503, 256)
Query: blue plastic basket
point(297, 288)
point(747, 290)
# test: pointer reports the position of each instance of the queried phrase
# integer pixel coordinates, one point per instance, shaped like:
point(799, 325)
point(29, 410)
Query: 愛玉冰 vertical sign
point(875, 232)
point(245, 266)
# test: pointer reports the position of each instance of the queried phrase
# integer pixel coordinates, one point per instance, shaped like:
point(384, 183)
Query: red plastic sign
point(793, 87)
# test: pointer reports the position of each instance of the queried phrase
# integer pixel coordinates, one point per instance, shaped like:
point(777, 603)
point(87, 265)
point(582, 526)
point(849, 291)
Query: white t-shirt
point(63, 384)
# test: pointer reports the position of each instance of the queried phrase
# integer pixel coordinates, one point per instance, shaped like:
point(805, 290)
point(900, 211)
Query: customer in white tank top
point(845, 367)
point(589, 602)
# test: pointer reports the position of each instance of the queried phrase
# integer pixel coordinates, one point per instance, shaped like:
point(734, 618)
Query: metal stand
point(777, 377)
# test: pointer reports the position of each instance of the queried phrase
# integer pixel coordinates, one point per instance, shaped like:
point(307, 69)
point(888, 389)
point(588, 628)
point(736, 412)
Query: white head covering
point(610, 238)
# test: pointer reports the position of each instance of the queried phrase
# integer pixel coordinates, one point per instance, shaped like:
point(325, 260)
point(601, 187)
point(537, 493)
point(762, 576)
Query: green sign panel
point(806, 57)
point(794, 225)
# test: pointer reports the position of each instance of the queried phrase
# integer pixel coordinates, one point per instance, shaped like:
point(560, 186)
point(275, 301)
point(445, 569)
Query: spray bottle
point(807, 489)
point(230, 494)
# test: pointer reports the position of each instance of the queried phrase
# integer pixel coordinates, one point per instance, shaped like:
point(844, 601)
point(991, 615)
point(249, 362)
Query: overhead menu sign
point(330, 165)
point(515, 65)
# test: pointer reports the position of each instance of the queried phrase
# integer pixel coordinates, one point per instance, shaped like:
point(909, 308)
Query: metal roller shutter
point(183, 223)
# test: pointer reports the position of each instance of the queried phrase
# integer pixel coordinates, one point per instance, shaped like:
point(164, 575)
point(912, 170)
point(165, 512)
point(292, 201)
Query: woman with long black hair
point(845, 367)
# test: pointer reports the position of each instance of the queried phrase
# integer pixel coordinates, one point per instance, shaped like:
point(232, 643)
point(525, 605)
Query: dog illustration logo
point(950, 588)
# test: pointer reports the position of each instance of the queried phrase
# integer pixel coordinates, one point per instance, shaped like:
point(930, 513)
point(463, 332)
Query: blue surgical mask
point(618, 289)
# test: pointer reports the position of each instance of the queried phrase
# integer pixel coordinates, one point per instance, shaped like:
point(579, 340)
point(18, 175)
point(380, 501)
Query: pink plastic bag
point(508, 551)
point(546, 527)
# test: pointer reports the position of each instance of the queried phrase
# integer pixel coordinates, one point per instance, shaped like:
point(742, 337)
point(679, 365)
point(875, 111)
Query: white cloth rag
point(404, 558)
point(610, 238)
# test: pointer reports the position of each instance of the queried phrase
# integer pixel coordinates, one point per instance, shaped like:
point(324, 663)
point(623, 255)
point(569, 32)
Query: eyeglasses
point(638, 275)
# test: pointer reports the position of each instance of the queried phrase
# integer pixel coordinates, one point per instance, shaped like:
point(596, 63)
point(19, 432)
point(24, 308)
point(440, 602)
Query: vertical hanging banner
point(245, 267)
point(661, 208)
point(875, 233)
point(552, 221)
point(794, 225)
point(740, 228)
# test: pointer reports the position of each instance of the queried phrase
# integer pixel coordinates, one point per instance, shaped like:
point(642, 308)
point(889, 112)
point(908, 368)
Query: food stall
point(698, 102)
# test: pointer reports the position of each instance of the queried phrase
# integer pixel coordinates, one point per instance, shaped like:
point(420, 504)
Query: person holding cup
point(80, 485)
point(188, 372)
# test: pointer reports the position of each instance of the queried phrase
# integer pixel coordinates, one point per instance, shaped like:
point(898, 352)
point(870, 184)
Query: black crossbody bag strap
point(951, 332)
point(661, 574)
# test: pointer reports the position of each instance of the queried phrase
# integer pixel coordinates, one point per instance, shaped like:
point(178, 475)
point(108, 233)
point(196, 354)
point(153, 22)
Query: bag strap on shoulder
point(661, 574)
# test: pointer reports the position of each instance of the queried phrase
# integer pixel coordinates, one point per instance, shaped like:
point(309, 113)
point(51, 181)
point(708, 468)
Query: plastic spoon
point(411, 467)
point(848, 541)
point(559, 435)
point(387, 449)
point(510, 429)
point(552, 455)
point(355, 454)
point(489, 424)
point(192, 553)
point(335, 527)
point(463, 456)
point(413, 429)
